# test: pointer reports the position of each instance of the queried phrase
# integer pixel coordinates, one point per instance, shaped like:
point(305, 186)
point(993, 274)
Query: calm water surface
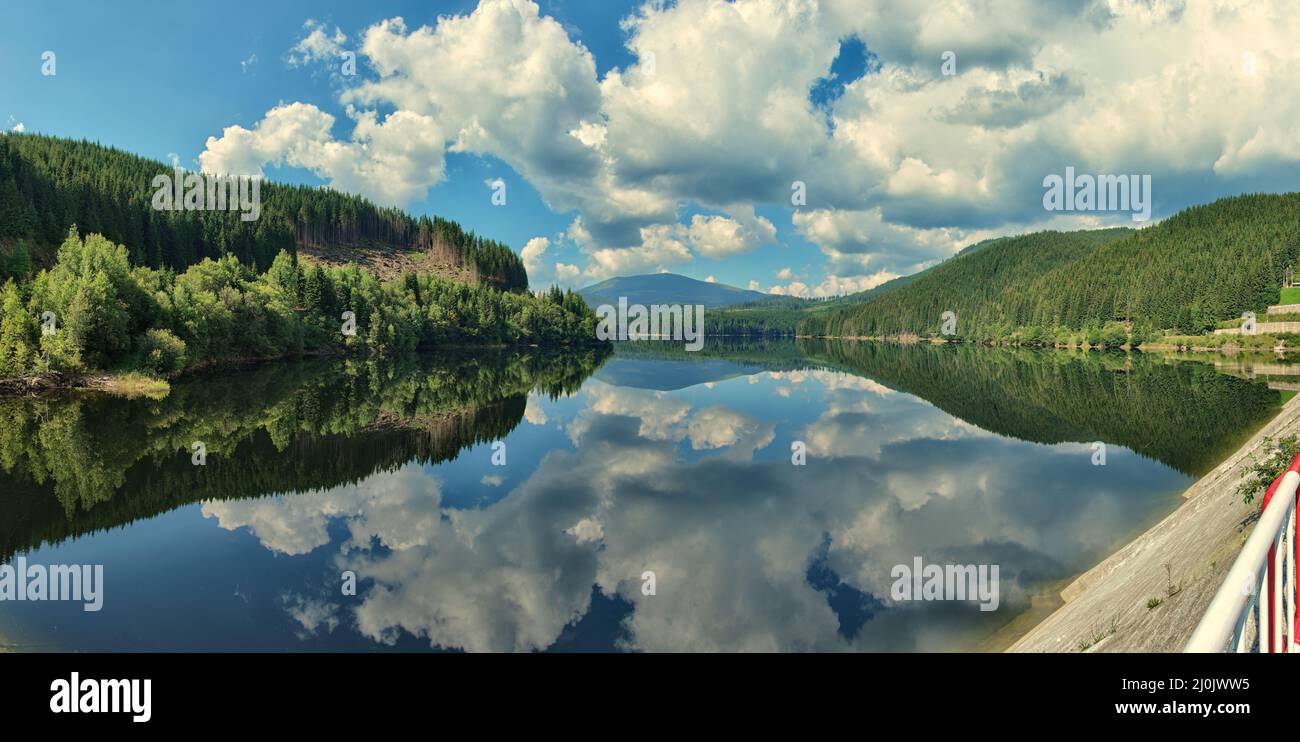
point(650, 459)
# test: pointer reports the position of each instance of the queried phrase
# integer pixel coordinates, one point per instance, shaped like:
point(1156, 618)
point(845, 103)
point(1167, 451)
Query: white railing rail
point(1255, 608)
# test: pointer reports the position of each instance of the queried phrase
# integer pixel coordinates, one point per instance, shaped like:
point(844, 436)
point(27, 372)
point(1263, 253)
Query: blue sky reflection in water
point(665, 463)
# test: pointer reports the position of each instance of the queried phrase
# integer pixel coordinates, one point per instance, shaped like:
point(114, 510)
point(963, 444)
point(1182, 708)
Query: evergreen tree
point(110, 193)
point(20, 261)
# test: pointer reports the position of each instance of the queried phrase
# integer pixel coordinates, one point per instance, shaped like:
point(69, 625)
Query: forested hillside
point(48, 184)
point(94, 311)
point(775, 317)
point(1203, 265)
point(978, 288)
point(781, 315)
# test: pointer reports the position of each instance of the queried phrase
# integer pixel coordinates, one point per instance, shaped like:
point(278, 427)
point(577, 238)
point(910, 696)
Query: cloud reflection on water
point(743, 544)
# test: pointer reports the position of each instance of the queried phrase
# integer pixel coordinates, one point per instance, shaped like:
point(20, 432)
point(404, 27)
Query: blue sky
point(639, 138)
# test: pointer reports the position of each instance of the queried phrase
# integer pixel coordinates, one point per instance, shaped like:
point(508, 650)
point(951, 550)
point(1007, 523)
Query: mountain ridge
point(49, 183)
point(667, 288)
point(1206, 264)
point(782, 315)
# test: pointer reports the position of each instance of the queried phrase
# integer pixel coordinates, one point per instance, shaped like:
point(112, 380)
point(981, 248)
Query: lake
point(644, 500)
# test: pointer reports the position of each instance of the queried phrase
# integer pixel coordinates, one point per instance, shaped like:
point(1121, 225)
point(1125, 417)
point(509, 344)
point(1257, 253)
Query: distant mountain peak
point(667, 288)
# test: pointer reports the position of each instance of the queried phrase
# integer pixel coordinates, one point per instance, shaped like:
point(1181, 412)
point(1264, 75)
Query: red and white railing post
point(1265, 566)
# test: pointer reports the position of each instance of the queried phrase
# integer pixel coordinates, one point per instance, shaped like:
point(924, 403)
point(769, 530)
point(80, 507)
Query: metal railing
point(1238, 620)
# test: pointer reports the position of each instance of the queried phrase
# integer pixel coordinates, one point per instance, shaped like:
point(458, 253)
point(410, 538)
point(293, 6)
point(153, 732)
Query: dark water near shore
point(650, 460)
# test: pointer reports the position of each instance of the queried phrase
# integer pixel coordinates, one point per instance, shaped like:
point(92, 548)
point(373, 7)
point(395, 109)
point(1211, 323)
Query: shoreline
point(1228, 349)
point(54, 382)
point(1180, 561)
point(131, 383)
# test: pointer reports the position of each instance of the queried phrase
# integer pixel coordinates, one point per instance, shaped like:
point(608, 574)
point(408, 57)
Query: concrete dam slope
point(1107, 608)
